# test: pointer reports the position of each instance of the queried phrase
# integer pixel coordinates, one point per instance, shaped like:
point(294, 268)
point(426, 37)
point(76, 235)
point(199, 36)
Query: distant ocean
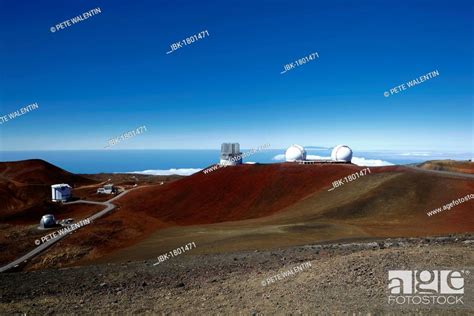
point(185, 162)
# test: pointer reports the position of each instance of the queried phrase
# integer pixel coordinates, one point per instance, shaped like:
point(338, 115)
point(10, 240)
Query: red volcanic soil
point(227, 194)
point(26, 184)
point(19, 232)
point(25, 195)
point(291, 198)
point(234, 193)
point(39, 172)
point(32, 215)
point(273, 205)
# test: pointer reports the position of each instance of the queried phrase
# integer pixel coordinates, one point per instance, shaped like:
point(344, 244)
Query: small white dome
point(295, 152)
point(47, 221)
point(341, 153)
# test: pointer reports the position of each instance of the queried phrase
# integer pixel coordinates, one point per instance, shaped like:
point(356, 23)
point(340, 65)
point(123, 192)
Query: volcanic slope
point(250, 207)
point(227, 194)
point(234, 193)
point(26, 184)
point(449, 165)
point(279, 205)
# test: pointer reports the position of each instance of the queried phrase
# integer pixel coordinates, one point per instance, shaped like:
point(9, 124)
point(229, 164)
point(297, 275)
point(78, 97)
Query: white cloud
point(279, 157)
point(416, 154)
point(370, 162)
point(315, 157)
point(180, 172)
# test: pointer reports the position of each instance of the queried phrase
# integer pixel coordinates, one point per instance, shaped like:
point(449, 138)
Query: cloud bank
point(279, 157)
point(425, 154)
point(180, 172)
point(370, 162)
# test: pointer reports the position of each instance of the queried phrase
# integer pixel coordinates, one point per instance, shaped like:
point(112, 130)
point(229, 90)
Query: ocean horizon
point(189, 161)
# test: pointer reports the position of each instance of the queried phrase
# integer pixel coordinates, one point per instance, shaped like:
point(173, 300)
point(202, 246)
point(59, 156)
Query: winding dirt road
point(42, 247)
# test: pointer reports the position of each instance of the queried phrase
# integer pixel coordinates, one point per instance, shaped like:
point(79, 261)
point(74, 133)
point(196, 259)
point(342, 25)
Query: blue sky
point(109, 74)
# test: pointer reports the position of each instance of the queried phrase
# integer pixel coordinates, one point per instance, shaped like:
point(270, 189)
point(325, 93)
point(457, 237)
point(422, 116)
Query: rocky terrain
point(343, 278)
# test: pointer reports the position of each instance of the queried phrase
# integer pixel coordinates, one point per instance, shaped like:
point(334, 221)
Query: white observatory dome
point(341, 153)
point(295, 152)
point(47, 221)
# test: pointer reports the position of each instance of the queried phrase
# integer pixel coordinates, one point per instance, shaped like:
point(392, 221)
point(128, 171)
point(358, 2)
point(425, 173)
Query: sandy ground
point(342, 278)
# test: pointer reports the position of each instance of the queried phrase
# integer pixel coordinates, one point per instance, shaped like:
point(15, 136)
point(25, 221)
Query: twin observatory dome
point(340, 153)
point(231, 155)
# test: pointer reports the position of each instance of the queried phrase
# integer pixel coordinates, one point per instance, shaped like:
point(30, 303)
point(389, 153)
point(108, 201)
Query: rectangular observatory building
point(230, 154)
point(60, 192)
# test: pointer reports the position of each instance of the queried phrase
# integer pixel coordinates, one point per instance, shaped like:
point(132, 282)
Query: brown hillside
point(230, 194)
point(234, 193)
point(449, 165)
point(37, 171)
point(25, 184)
point(390, 202)
point(270, 206)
